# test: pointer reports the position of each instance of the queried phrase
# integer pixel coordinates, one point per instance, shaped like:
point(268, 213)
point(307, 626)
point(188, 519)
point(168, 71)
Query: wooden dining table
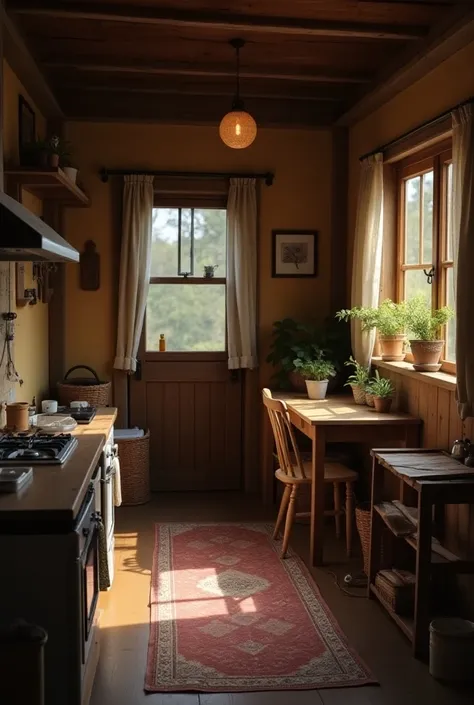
point(336, 419)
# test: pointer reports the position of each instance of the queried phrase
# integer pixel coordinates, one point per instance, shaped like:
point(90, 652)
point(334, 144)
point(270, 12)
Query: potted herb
point(316, 374)
point(357, 380)
point(382, 390)
point(57, 151)
point(292, 341)
point(424, 326)
point(389, 319)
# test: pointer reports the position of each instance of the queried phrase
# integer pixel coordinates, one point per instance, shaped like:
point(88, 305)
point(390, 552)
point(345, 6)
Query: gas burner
point(38, 448)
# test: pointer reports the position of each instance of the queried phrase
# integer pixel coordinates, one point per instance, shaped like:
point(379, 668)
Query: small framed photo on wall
point(26, 127)
point(294, 253)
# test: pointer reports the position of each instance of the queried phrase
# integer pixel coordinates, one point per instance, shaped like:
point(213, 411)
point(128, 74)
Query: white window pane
point(449, 210)
point(192, 317)
point(428, 180)
point(417, 283)
point(210, 239)
point(451, 326)
point(185, 260)
point(164, 243)
point(412, 220)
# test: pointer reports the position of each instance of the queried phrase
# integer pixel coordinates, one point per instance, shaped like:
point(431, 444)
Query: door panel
point(193, 412)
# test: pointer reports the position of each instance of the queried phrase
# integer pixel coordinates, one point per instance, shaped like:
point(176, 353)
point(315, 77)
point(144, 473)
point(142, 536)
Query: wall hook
point(429, 275)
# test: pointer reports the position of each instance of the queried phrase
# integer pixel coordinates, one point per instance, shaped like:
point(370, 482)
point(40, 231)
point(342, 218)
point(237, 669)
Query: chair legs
point(290, 515)
point(349, 517)
point(337, 508)
point(282, 511)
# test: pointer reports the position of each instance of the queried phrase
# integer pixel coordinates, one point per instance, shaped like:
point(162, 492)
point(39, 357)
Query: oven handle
point(96, 519)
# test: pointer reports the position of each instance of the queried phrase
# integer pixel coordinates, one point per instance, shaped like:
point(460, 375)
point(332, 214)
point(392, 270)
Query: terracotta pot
point(359, 394)
point(17, 416)
point(383, 404)
point(54, 160)
point(426, 354)
point(392, 347)
point(369, 399)
point(297, 381)
point(317, 389)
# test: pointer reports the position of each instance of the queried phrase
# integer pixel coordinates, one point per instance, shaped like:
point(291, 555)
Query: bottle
point(162, 343)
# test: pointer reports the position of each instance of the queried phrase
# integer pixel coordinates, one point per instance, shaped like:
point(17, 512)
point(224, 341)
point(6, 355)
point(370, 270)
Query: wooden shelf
point(48, 184)
point(406, 624)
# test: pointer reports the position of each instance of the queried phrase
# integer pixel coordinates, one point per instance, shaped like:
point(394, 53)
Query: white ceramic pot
point(49, 406)
point(71, 173)
point(317, 390)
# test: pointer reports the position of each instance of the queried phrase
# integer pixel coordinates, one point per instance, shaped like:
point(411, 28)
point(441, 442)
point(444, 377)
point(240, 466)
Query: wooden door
point(186, 396)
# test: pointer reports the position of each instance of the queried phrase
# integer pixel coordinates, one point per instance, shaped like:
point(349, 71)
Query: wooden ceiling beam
point(217, 21)
point(195, 70)
point(445, 39)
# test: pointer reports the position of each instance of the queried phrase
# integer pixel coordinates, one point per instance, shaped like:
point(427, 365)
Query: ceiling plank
point(18, 56)
point(236, 23)
point(451, 35)
point(190, 70)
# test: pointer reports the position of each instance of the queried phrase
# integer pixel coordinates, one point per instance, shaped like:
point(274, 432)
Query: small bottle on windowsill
point(162, 343)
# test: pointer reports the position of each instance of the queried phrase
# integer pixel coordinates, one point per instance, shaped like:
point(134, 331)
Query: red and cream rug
point(227, 614)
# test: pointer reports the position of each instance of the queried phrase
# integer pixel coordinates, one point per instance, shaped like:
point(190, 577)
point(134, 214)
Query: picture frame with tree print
point(294, 253)
point(26, 129)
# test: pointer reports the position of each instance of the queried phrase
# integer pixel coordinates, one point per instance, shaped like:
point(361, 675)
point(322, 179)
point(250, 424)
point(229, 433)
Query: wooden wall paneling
point(234, 437)
point(413, 397)
point(443, 413)
point(186, 420)
point(251, 431)
point(154, 410)
point(339, 217)
point(218, 440)
point(202, 418)
point(170, 424)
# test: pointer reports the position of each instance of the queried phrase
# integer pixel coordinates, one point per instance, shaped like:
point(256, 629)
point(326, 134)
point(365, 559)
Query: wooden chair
point(295, 471)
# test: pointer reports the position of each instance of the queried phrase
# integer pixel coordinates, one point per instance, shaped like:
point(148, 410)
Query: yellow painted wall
point(300, 198)
point(31, 339)
point(438, 91)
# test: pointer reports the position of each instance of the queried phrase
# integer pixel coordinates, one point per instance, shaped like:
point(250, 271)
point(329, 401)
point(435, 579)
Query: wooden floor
point(121, 670)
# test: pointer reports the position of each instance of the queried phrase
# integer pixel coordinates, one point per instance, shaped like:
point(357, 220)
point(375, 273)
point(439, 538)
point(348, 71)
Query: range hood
point(25, 237)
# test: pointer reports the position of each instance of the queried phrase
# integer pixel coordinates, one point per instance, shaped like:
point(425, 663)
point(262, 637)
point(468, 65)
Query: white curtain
point(463, 245)
point(242, 274)
point(135, 262)
point(367, 259)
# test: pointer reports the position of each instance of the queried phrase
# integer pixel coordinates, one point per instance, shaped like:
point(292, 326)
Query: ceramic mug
point(49, 406)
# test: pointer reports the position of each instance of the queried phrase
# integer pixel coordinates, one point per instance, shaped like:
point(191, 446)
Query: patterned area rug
point(228, 615)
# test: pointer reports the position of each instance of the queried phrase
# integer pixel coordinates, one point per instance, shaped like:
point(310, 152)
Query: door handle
point(138, 370)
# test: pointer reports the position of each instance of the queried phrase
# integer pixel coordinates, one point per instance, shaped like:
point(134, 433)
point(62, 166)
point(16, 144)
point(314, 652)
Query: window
point(425, 246)
point(184, 305)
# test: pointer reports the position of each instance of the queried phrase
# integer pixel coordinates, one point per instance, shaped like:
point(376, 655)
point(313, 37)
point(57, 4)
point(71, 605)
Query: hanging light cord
point(237, 102)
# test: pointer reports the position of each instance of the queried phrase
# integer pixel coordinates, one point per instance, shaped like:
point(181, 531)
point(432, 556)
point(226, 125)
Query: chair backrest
point(285, 441)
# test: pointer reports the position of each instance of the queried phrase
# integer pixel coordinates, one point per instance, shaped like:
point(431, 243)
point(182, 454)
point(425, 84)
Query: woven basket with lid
point(134, 456)
point(90, 389)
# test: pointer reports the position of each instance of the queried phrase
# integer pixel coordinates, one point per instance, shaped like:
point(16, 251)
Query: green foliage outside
point(191, 317)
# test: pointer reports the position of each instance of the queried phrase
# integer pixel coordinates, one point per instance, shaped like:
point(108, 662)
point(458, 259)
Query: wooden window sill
point(438, 379)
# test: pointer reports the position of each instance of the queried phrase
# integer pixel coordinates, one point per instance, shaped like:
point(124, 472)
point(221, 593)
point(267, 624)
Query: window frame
point(180, 201)
point(435, 158)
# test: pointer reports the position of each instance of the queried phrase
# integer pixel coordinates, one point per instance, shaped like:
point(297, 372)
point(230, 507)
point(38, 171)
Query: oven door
point(90, 580)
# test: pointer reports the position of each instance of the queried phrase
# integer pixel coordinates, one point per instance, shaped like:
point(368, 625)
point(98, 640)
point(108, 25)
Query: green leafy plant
point(389, 318)
point(380, 386)
point(359, 377)
point(291, 341)
point(60, 147)
point(422, 322)
point(318, 370)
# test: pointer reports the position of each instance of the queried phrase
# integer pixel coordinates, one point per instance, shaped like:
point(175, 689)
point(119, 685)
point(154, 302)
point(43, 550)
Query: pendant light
point(238, 129)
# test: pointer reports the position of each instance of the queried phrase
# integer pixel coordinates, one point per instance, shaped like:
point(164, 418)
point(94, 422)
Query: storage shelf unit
point(438, 489)
point(48, 184)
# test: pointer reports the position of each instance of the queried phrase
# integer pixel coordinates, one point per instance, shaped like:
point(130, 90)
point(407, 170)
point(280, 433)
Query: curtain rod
point(424, 125)
point(266, 176)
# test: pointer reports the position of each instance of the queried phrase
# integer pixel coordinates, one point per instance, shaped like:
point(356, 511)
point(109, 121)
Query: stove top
point(36, 449)
point(83, 415)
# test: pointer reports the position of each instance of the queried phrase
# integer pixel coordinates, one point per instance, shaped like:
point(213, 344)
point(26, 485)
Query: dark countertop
point(56, 492)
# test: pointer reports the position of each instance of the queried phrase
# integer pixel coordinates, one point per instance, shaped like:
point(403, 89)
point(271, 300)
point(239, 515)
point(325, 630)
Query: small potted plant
point(389, 319)
point(57, 151)
point(358, 380)
point(316, 374)
point(382, 390)
point(424, 326)
point(35, 154)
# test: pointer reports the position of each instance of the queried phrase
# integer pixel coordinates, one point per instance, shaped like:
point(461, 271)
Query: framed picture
point(26, 126)
point(294, 253)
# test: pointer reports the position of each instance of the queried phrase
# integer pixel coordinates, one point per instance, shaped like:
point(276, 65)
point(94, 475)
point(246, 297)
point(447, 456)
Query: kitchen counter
point(56, 492)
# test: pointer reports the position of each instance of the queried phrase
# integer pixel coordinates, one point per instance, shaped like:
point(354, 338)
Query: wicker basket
point(397, 589)
point(134, 456)
point(363, 522)
point(359, 394)
point(92, 390)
